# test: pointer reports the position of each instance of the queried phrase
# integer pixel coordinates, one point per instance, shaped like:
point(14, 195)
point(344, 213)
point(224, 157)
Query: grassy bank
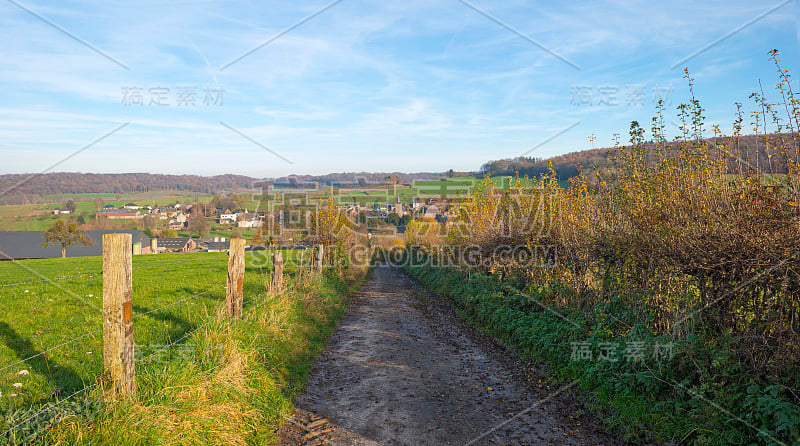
point(646, 386)
point(201, 378)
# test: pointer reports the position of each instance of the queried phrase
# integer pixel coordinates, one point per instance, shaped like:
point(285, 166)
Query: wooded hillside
point(748, 150)
point(33, 188)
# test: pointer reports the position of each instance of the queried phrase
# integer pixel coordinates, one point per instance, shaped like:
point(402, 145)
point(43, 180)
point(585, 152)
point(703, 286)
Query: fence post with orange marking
point(235, 296)
point(118, 345)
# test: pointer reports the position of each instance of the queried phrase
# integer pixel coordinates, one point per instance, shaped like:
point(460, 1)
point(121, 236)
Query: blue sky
point(364, 85)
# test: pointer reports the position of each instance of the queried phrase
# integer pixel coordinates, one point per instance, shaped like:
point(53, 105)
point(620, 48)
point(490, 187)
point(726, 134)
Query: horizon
point(310, 89)
point(468, 172)
point(234, 174)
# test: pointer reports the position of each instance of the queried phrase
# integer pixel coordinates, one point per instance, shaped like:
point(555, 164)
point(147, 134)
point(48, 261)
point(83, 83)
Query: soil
point(403, 368)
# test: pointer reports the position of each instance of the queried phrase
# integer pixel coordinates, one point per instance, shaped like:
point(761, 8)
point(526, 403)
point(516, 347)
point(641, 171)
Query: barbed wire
point(250, 300)
point(50, 349)
point(171, 263)
point(99, 274)
point(45, 408)
point(100, 329)
point(50, 280)
point(221, 364)
point(173, 343)
point(186, 335)
point(143, 361)
point(179, 301)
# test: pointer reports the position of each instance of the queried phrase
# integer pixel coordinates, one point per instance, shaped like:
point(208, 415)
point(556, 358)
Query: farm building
point(19, 245)
point(118, 213)
point(218, 246)
point(178, 222)
point(227, 218)
point(249, 220)
point(214, 244)
point(175, 244)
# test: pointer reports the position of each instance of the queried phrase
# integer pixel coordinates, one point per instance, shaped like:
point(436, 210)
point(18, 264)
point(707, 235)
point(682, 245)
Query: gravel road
point(403, 368)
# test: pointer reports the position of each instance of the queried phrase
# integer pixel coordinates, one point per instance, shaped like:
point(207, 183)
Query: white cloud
point(395, 81)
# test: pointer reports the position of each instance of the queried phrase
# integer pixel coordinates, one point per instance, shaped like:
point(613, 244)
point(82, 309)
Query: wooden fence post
point(118, 345)
point(234, 297)
point(320, 257)
point(277, 271)
point(300, 276)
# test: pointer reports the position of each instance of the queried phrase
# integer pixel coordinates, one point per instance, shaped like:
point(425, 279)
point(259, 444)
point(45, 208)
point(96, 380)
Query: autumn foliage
point(694, 235)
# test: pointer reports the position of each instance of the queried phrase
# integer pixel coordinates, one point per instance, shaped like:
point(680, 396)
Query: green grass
point(699, 396)
point(42, 315)
point(460, 185)
point(37, 223)
point(84, 203)
point(148, 197)
point(16, 210)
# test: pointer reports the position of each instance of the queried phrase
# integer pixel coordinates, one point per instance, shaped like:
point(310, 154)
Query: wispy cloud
point(364, 86)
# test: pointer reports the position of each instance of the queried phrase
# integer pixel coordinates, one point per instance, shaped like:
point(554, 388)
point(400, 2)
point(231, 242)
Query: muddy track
point(403, 368)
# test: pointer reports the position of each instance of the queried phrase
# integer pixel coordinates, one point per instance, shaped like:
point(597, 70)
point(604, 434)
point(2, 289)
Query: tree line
point(26, 189)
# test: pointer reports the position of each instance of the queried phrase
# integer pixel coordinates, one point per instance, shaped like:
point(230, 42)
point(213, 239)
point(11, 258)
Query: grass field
point(405, 192)
point(17, 218)
point(42, 315)
point(174, 294)
point(165, 196)
point(33, 223)
point(459, 185)
point(16, 210)
point(698, 396)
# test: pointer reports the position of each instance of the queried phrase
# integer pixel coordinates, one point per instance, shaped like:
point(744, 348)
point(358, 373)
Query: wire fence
point(136, 316)
point(170, 263)
point(43, 410)
point(186, 335)
point(145, 360)
point(48, 405)
point(100, 329)
point(51, 349)
point(81, 276)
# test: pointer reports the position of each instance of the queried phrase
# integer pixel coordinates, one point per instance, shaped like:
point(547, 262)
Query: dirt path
point(402, 368)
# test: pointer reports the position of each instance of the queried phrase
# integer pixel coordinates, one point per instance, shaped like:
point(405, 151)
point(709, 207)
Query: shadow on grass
point(178, 326)
point(64, 379)
point(27, 424)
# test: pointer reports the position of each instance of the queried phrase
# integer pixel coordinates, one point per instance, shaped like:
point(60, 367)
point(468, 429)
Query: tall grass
point(215, 381)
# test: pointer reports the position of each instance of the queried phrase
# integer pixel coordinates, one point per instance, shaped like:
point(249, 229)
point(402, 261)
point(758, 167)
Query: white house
point(227, 218)
point(178, 219)
point(249, 220)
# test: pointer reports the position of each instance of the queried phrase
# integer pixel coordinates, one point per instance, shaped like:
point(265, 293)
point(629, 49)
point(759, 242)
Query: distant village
point(16, 245)
point(179, 215)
